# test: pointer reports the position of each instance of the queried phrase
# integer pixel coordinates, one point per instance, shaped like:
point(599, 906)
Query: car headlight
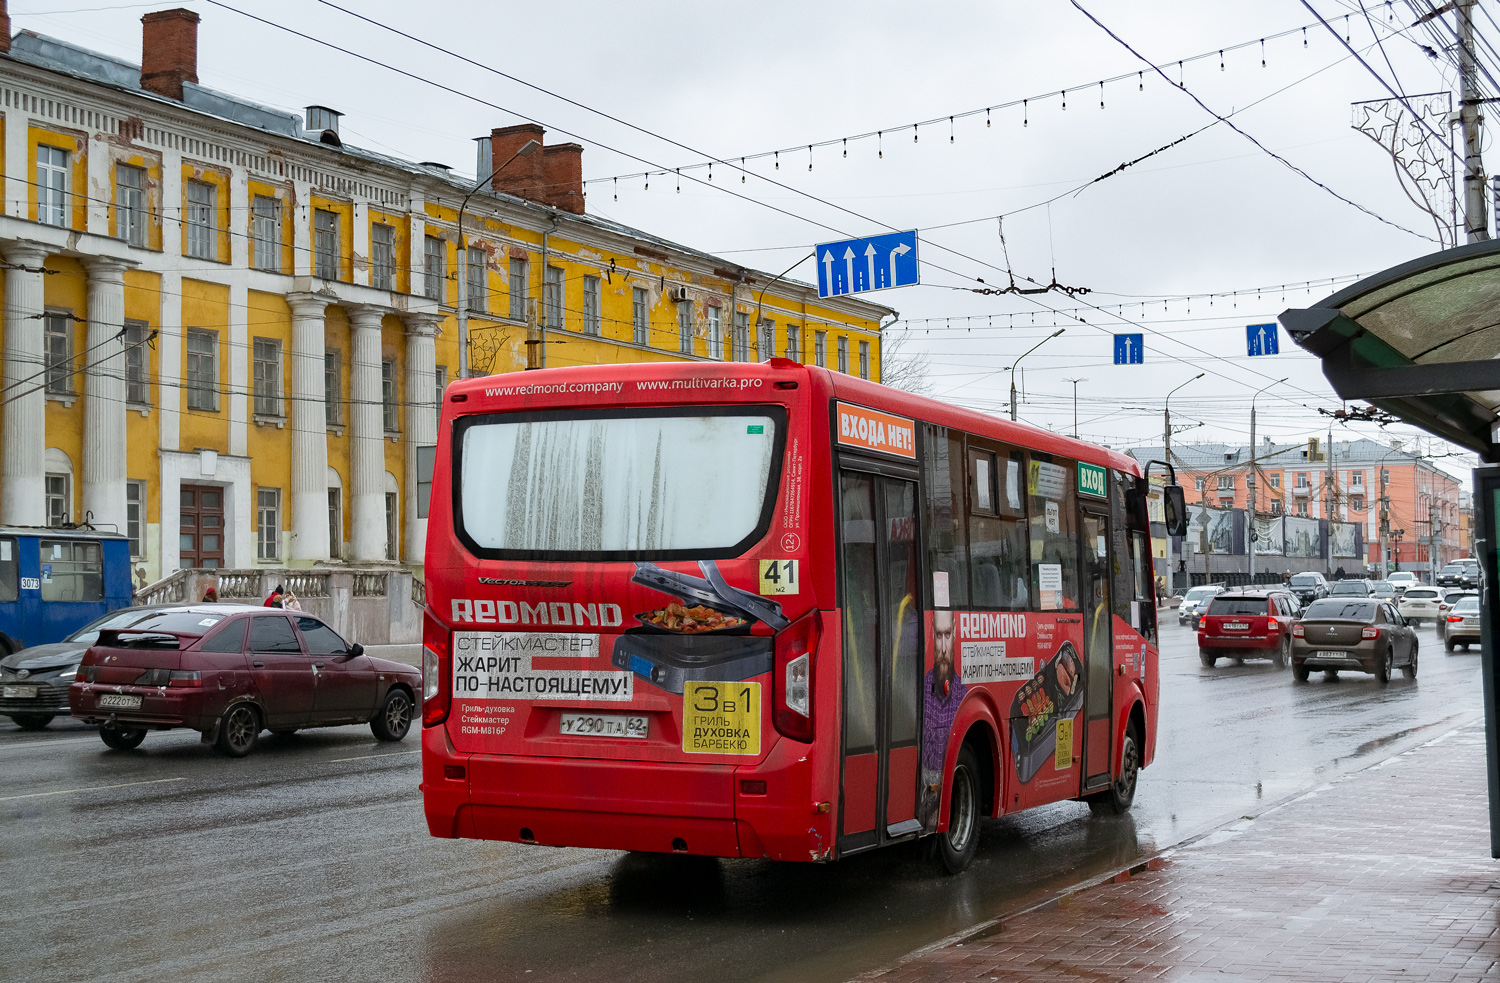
point(70, 673)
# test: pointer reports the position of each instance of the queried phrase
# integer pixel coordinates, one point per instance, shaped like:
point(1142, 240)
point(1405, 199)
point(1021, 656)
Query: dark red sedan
point(231, 671)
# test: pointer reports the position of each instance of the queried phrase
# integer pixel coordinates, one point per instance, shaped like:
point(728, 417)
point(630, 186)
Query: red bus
point(769, 610)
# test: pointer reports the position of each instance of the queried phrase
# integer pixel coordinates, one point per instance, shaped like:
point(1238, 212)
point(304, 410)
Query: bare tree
point(901, 367)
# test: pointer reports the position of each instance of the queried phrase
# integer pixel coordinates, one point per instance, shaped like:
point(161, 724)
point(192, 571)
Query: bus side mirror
point(1174, 510)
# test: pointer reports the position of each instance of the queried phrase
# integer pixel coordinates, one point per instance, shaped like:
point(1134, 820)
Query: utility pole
point(1250, 480)
point(1385, 521)
point(1075, 383)
point(1167, 452)
point(1331, 488)
point(1476, 221)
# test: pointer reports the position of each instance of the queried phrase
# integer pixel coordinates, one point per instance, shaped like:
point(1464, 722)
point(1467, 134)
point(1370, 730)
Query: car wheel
point(1207, 658)
point(1300, 672)
point(32, 721)
point(239, 730)
point(1410, 669)
point(394, 718)
point(1384, 666)
point(1448, 644)
point(122, 738)
point(1283, 652)
point(954, 848)
point(1465, 645)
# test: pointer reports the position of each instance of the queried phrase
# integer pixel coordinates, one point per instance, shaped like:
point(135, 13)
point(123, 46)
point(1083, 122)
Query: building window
point(440, 380)
point(326, 243)
point(130, 204)
point(844, 354)
point(59, 495)
point(767, 339)
point(1198, 484)
point(741, 351)
point(1301, 479)
point(864, 360)
point(1275, 481)
point(268, 523)
point(51, 185)
point(135, 516)
point(265, 231)
point(435, 263)
point(391, 526)
point(1276, 506)
point(57, 340)
point(477, 262)
point(137, 385)
point(519, 289)
point(1302, 509)
point(1357, 479)
point(202, 240)
point(552, 296)
point(794, 343)
point(820, 348)
point(267, 377)
point(715, 334)
point(202, 369)
point(388, 394)
point(335, 522)
point(640, 316)
point(591, 323)
point(383, 256)
point(333, 388)
point(1226, 482)
point(685, 327)
point(1357, 503)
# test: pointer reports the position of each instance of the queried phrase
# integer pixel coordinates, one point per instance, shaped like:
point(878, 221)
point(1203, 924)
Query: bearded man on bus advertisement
point(942, 692)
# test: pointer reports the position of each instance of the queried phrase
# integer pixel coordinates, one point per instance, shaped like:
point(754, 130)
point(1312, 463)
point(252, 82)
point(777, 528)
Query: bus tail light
point(1369, 631)
point(791, 681)
point(1298, 631)
point(437, 663)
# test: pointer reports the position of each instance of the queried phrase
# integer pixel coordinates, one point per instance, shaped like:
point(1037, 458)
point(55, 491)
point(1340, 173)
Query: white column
point(421, 419)
point(23, 438)
point(104, 396)
point(366, 437)
point(360, 216)
point(18, 193)
point(309, 502)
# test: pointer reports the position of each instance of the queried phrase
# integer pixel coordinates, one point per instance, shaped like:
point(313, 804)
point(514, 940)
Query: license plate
point(119, 701)
point(20, 692)
point(1330, 655)
point(1235, 625)
point(602, 725)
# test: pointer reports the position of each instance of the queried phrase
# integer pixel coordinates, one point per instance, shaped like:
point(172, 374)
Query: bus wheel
point(1122, 793)
point(953, 850)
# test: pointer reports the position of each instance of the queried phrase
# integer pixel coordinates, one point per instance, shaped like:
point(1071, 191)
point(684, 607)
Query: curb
point(1153, 861)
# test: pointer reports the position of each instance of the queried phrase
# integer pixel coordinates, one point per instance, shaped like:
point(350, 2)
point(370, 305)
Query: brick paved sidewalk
point(1384, 875)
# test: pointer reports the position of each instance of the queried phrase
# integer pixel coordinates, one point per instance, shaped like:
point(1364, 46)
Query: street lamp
point(1018, 362)
point(1075, 383)
point(1250, 480)
point(1167, 453)
point(527, 149)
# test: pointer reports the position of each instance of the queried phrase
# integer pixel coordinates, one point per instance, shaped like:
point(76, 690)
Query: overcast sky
point(1213, 214)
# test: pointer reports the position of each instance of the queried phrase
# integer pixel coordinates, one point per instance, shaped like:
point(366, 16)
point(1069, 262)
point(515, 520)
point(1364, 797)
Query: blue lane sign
point(875, 263)
point(1130, 349)
point(1261, 339)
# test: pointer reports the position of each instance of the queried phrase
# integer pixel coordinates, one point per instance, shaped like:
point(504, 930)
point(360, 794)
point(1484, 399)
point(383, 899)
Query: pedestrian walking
point(274, 601)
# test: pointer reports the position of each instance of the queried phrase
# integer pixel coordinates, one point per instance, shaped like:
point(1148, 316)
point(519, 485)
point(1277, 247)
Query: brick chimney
point(523, 176)
point(4, 28)
point(562, 169)
point(169, 51)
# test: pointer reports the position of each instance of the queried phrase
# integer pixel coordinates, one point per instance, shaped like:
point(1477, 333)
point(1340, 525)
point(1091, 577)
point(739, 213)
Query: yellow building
point(227, 333)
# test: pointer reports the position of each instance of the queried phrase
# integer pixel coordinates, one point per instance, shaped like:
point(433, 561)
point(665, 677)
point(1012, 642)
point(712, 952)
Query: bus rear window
point(661, 483)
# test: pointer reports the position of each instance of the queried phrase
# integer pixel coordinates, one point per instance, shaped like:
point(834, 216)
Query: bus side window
point(947, 544)
point(1052, 506)
point(998, 548)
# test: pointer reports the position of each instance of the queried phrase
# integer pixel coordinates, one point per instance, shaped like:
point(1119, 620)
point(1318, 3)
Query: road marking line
point(23, 745)
point(388, 754)
point(91, 788)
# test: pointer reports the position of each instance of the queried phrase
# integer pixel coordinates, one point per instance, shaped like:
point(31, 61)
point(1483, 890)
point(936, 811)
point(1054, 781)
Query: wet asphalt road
point(310, 859)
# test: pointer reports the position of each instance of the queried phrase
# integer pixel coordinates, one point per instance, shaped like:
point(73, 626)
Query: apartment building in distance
point(227, 332)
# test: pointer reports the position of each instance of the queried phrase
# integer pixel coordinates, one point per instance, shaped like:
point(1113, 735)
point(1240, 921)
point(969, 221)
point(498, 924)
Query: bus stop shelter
point(1422, 341)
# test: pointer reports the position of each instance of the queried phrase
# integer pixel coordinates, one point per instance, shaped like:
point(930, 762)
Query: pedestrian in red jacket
point(274, 601)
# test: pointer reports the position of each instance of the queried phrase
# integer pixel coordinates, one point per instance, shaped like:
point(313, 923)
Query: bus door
point(882, 656)
point(1098, 633)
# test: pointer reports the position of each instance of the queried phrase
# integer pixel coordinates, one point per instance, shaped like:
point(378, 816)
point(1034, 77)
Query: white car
point(1195, 602)
point(1421, 604)
point(1402, 579)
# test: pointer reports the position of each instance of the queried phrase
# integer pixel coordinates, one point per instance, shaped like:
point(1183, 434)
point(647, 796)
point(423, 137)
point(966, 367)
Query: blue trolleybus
point(53, 581)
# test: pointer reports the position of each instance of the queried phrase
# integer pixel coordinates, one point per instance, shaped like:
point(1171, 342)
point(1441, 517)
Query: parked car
point(1461, 626)
point(34, 681)
point(1194, 601)
point(1421, 604)
point(1308, 586)
point(1245, 625)
point(1350, 588)
point(1383, 589)
point(1459, 573)
point(231, 671)
point(1402, 579)
point(1367, 634)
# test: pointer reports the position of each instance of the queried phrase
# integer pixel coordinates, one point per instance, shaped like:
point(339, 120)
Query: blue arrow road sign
point(1130, 349)
point(876, 263)
point(1261, 339)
